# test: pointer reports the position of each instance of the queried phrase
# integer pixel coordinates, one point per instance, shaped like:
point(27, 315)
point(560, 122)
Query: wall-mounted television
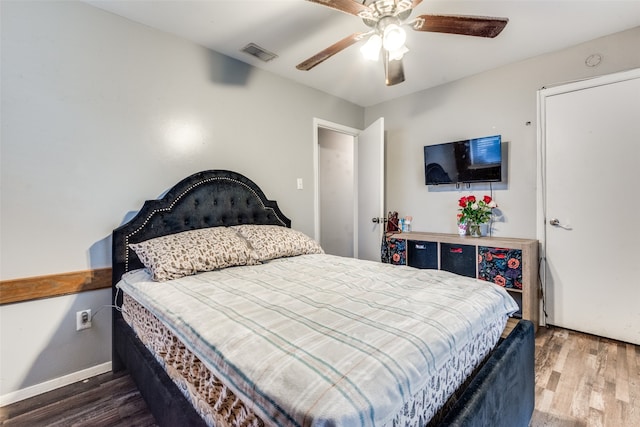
point(467, 161)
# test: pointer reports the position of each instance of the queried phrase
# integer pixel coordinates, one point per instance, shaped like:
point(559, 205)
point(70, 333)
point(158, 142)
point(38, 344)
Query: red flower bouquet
point(474, 211)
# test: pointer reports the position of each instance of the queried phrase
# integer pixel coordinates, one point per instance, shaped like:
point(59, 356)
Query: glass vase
point(475, 229)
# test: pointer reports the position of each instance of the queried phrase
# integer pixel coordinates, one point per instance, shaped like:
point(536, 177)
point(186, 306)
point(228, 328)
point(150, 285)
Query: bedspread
point(324, 340)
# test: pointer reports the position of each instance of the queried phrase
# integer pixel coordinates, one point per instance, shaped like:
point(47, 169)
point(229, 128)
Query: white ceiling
point(297, 29)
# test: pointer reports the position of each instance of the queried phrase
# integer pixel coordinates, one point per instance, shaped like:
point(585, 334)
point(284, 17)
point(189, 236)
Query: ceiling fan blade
point(327, 53)
point(393, 70)
point(479, 26)
point(347, 6)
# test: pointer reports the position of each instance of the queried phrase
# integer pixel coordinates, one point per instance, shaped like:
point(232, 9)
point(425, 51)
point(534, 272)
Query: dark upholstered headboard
point(205, 199)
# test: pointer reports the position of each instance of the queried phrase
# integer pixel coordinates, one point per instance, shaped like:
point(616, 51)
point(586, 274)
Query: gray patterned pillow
point(273, 241)
point(183, 254)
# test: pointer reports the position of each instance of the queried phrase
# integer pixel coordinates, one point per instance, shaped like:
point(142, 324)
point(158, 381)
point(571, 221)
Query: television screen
point(470, 160)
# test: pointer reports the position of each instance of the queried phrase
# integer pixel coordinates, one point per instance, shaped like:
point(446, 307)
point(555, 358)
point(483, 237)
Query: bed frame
point(500, 393)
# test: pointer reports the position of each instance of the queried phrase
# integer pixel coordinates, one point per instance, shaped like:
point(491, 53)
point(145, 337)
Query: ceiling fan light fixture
point(397, 54)
point(393, 37)
point(371, 49)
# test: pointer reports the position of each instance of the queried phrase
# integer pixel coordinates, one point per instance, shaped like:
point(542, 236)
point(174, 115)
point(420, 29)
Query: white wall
point(99, 114)
point(501, 101)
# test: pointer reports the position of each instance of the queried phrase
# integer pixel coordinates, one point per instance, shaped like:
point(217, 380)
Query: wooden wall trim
point(32, 288)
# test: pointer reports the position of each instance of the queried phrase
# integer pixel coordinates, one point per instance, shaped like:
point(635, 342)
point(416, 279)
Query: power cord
point(115, 299)
point(541, 293)
point(491, 217)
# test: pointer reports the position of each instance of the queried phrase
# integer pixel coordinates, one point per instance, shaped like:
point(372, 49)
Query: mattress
point(317, 339)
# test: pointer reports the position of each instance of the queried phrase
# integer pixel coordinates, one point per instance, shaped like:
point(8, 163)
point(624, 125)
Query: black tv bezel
point(456, 181)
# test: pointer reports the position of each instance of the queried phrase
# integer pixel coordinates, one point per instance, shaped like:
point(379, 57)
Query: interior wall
point(100, 113)
point(500, 101)
point(336, 186)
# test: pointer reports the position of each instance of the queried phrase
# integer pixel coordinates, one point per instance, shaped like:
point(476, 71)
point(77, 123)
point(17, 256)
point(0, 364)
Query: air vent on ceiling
point(260, 53)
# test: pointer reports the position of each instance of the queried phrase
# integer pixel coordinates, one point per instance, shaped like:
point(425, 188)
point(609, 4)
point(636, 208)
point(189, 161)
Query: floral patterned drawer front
point(397, 251)
point(501, 266)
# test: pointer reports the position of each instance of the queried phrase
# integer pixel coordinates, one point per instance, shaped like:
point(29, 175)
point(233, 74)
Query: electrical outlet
point(83, 319)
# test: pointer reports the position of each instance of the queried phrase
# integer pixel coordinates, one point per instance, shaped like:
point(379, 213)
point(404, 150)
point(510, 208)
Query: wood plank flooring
point(585, 380)
point(581, 381)
point(105, 400)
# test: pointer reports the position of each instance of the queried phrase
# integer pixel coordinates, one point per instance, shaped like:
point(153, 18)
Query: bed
point(295, 335)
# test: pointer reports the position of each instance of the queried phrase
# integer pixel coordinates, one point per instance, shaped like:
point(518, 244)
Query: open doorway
point(349, 188)
point(336, 180)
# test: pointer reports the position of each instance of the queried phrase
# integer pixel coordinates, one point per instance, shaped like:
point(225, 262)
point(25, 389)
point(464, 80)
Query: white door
point(368, 186)
point(370, 190)
point(591, 143)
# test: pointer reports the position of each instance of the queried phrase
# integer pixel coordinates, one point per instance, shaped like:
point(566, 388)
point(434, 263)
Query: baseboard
point(25, 393)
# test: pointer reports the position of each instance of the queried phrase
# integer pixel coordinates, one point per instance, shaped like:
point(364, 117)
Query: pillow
point(273, 241)
point(183, 254)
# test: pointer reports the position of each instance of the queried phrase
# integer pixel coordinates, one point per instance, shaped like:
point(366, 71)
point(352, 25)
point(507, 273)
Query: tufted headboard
point(205, 199)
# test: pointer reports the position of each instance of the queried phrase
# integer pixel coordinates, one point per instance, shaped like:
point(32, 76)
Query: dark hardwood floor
point(105, 400)
point(581, 381)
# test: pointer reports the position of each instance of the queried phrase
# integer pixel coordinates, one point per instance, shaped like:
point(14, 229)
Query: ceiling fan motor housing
point(379, 9)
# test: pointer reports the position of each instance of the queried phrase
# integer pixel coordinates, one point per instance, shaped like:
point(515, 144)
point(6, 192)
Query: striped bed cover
point(323, 340)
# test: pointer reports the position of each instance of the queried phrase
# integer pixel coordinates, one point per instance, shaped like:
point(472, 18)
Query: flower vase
point(475, 229)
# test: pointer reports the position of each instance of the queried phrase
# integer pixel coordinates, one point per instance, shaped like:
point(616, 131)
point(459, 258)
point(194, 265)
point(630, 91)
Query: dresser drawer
point(459, 259)
point(422, 254)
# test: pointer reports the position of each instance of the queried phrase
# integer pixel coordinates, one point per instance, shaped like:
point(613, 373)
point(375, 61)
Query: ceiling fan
point(386, 19)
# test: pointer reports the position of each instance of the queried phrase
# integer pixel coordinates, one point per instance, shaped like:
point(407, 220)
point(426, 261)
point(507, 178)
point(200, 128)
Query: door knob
point(378, 220)
point(556, 223)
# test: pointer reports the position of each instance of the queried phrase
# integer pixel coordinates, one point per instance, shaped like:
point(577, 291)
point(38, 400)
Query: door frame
point(541, 192)
point(353, 132)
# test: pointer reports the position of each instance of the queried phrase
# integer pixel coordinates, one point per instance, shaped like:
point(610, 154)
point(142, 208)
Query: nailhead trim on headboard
point(180, 196)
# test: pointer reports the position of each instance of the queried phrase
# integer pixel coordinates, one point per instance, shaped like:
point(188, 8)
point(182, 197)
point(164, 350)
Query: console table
point(509, 262)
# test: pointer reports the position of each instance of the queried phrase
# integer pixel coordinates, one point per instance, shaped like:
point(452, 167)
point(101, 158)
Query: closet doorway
point(336, 182)
point(349, 188)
